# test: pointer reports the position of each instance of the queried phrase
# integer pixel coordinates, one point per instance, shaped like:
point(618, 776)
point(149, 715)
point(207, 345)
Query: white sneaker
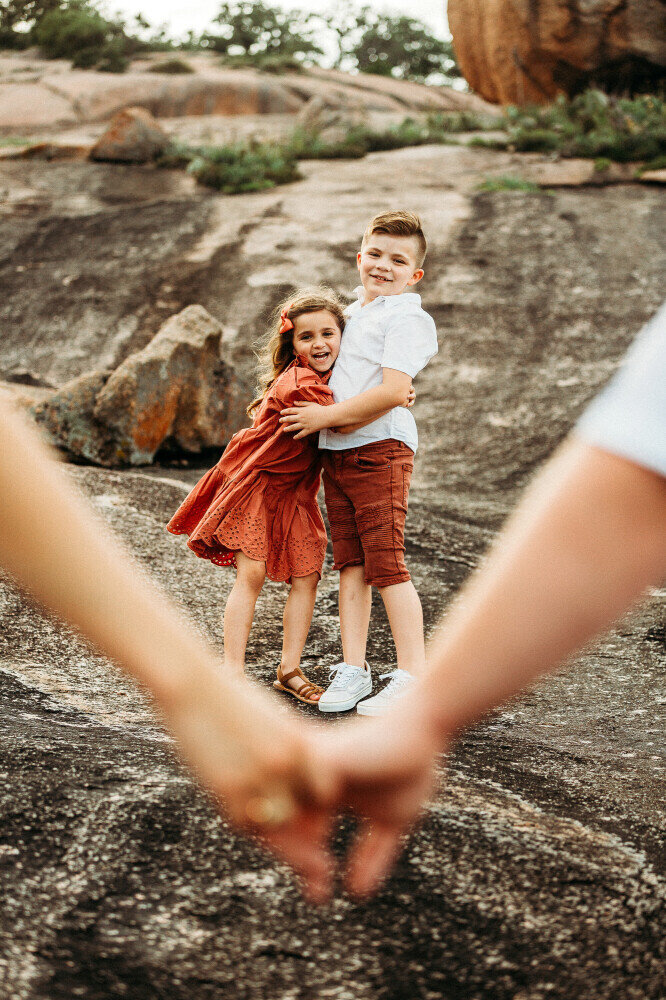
point(348, 685)
point(399, 684)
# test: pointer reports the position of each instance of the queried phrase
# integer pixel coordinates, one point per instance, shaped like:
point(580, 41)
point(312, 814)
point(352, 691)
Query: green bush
point(174, 66)
point(64, 32)
point(535, 140)
point(659, 163)
point(267, 63)
point(235, 169)
point(79, 32)
point(113, 63)
point(17, 40)
point(483, 143)
point(460, 121)
point(176, 156)
point(591, 125)
point(86, 58)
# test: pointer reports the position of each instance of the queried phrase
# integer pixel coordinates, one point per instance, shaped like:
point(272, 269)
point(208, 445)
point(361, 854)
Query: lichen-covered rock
point(178, 392)
point(178, 389)
point(515, 51)
point(69, 421)
point(133, 136)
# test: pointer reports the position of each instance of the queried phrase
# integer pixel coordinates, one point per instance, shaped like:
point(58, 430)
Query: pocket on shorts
point(371, 462)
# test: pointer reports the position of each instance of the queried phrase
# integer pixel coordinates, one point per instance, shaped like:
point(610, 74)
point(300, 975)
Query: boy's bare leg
point(354, 602)
point(405, 615)
point(239, 610)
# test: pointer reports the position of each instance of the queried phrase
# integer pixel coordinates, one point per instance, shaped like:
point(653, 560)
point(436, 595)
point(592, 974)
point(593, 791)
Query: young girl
point(257, 508)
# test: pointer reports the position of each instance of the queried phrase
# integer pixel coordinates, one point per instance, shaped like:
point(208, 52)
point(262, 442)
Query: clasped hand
point(382, 770)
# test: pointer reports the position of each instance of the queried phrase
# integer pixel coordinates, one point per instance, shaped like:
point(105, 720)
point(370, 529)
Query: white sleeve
point(410, 342)
point(628, 418)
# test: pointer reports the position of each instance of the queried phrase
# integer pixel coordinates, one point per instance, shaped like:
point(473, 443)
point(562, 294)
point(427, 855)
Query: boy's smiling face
point(387, 265)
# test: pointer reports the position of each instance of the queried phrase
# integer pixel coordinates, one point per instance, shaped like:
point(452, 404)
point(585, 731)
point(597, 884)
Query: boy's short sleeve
point(410, 342)
point(628, 418)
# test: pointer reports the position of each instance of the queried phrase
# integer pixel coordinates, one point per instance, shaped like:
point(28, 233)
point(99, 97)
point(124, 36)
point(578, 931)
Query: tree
point(390, 45)
point(254, 29)
point(24, 12)
point(18, 16)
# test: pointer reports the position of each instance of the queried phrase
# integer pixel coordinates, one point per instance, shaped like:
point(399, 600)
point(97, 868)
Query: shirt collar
point(391, 300)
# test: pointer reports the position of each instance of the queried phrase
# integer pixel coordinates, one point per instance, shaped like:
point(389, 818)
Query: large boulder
point(332, 116)
point(177, 393)
point(522, 51)
point(133, 136)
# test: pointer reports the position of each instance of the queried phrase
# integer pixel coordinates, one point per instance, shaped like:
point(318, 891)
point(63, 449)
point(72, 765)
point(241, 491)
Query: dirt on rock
point(539, 871)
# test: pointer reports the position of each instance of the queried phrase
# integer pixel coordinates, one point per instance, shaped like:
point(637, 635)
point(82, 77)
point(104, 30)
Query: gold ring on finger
point(269, 810)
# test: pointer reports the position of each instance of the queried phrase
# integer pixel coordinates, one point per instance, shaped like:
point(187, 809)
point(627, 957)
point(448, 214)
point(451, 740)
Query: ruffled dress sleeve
point(303, 388)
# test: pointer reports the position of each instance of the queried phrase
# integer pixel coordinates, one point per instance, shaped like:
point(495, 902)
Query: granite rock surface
point(38, 92)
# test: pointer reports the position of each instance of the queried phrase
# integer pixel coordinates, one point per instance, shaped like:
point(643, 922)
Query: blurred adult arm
point(243, 750)
point(587, 539)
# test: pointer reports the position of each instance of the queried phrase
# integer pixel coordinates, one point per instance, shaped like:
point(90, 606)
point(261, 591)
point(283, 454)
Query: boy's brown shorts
point(366, 493)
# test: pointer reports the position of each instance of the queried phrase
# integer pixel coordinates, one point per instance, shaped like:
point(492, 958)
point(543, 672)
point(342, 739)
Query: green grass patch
point(13, 140)
point(506, 183)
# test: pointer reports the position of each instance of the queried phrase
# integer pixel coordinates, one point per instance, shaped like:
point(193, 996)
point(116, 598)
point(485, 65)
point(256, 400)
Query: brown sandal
point(304, 693)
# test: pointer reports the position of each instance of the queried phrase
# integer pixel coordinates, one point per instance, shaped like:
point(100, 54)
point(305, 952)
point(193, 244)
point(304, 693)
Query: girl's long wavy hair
point(278, 351)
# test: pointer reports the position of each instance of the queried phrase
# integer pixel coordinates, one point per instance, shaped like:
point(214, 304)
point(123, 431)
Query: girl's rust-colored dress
point(261, 497)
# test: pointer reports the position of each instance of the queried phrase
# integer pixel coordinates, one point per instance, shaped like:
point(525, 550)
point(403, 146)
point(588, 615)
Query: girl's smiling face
point(316, 339)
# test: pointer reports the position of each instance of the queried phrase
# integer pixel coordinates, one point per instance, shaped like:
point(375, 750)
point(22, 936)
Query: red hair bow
point(285, 322)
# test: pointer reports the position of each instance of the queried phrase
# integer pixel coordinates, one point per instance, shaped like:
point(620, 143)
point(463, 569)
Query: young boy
point(387, 341)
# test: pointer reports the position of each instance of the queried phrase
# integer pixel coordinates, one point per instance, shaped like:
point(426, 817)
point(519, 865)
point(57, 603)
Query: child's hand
point(303, 419)
point(411, 397)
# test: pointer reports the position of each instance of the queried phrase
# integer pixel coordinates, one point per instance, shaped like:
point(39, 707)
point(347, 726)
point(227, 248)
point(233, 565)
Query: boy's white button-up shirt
point(392, 331)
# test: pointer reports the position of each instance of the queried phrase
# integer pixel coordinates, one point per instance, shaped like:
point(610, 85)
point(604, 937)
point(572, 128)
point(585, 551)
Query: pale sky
point(198, 14)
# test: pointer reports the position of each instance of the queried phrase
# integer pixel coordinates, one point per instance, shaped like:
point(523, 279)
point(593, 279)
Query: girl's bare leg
point(239, 610)
point(297, 618)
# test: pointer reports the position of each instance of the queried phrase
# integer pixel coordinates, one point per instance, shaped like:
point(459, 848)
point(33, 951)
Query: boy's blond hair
point(399, 224)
